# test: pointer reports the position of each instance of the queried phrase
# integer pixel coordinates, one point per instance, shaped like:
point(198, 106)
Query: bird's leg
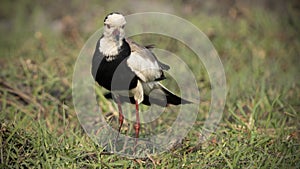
point(121, 117)
point(137, 124)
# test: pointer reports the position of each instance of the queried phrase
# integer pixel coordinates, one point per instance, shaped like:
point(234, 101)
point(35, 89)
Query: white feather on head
point(115, 19)
point(109, 45)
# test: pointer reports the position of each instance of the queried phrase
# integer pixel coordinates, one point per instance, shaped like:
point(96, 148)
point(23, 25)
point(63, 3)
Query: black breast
point(115, 74)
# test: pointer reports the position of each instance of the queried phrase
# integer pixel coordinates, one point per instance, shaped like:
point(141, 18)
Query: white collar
point(110, 48)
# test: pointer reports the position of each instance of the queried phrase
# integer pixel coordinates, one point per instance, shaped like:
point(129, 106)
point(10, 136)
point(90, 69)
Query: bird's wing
point(97, 57)
point(144, 63)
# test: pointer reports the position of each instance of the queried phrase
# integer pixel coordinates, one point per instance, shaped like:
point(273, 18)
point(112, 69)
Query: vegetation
point(259, 48)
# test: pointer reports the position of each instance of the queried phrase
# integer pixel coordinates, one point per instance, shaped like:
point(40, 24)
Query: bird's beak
point(116, 34)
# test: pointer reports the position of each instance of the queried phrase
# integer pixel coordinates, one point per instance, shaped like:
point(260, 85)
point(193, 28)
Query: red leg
point(137, 124)
point(121, 118)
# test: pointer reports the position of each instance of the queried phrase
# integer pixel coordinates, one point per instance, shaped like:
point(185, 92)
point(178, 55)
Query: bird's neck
point(110, 47)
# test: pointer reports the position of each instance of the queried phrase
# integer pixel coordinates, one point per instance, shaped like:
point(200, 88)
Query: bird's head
point(114, 24)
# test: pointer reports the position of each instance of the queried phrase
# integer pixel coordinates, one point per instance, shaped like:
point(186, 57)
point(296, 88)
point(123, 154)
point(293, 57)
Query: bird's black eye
point(108, 26)
point(123, 26)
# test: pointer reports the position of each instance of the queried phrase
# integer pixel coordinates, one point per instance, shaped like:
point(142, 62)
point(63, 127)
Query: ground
point(258, 46)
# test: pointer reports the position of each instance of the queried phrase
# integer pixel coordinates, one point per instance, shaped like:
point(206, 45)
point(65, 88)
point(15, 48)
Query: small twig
point(151, 159)
point(27, 98)
point(22, 109)
point(194, 149)
point(106, 153)
point(57, 101)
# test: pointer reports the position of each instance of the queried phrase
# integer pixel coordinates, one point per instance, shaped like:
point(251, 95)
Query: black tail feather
point(173, 99)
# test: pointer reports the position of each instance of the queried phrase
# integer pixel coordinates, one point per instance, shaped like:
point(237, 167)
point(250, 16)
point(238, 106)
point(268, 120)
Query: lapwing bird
point(131, 72)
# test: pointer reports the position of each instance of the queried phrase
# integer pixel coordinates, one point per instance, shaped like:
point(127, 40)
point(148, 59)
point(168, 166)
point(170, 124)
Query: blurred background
point(257, 40)
point(251, 37)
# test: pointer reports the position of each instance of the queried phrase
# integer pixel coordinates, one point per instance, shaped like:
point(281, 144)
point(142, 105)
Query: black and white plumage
point(131, 72)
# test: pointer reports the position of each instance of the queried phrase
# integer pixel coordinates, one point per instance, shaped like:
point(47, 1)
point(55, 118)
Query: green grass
point(259, 128)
